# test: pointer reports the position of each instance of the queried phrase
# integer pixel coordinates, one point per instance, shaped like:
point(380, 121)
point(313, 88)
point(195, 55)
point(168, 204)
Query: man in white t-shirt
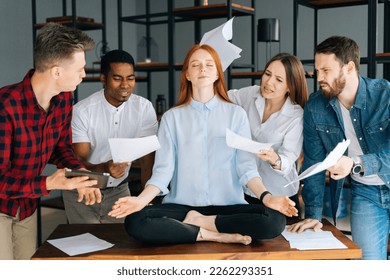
point(113, 112)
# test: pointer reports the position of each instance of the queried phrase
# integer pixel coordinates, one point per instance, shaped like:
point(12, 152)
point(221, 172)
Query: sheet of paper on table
point(80, 244)
point(312, 240)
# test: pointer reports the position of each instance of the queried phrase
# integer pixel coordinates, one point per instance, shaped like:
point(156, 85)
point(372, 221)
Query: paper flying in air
point(218, 38)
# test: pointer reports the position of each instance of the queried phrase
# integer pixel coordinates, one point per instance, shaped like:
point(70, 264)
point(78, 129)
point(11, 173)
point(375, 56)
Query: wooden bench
point(129, 248)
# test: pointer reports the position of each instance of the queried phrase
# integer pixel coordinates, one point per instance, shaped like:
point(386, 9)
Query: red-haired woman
point(199, 175)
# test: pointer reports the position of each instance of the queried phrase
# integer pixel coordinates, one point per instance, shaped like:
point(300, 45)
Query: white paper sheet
point(80, 244)
point(130, 149)
point(236, 141)
point(329, 161)
point(312, 240)
point(218, 38)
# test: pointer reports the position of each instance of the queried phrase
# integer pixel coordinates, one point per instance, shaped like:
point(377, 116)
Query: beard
point(335, 89)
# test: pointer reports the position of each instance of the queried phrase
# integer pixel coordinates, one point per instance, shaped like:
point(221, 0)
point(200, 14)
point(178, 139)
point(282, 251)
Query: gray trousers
point(79, 213)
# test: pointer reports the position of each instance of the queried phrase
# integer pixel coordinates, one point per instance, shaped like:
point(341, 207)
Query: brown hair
point(185, 93)
point(56, 42)
point(345, 49)
point(295, 75)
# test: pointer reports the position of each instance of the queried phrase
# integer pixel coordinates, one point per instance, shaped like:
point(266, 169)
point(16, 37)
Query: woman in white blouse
point(199, 175)
point(275, 112)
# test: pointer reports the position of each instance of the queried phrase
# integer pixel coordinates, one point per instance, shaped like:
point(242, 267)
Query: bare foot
point(207, 235)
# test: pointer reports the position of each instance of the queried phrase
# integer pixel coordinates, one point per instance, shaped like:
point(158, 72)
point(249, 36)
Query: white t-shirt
point(354, 149)
point(95, 121)
point(284, 128)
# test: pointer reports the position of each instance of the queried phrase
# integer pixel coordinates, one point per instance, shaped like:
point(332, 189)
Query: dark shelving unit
point(75, 21)
point(372, 58)
point(171, 17)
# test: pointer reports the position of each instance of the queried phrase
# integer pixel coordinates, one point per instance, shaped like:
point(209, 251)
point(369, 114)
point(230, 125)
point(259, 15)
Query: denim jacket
point(323, 128)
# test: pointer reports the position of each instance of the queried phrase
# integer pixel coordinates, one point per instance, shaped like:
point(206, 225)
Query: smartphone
point(102, 178)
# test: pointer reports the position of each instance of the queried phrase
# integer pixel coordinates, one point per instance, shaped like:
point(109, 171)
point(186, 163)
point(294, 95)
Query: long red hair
point(220, 88)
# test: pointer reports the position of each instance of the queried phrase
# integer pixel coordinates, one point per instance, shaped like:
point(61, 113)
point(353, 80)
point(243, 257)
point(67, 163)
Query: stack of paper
point(312, 240)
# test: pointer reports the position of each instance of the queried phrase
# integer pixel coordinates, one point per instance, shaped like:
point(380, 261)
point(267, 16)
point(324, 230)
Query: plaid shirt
point(29, 139)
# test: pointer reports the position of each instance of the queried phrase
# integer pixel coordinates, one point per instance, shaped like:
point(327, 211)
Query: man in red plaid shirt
point(35, 129)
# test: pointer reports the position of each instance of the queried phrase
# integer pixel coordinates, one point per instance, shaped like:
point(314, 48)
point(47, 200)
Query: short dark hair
point(345, 49)
point(114, 56)
point(56, 42)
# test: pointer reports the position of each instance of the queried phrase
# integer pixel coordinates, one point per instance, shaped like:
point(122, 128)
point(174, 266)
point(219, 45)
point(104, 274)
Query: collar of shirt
point(199, 106)
point(360, 99)
point(361, 95)
point(286, 110)
point(110, 107)
point(30, 97)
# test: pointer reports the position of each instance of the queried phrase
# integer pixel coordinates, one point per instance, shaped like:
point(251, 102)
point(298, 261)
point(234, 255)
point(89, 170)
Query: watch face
point(357, 169)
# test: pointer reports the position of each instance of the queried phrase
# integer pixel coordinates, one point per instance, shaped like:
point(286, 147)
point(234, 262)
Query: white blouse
point(284, 128)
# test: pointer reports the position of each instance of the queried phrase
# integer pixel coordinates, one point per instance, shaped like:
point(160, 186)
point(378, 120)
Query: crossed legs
point(209, 232)
point(175, 224)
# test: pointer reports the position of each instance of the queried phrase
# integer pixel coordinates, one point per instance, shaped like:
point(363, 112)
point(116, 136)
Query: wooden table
point(131, 249)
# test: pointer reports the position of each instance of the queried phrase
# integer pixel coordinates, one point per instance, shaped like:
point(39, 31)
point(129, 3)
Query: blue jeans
point(370, 212)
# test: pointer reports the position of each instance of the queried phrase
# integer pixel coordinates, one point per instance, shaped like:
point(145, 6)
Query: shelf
point(258, 74)
point(372, 58)
point(155, 66)
point(72, 19)
point(245, 75)
point(213, 11)
point(380, 58)
point(171, 16)
point(383, 57)
point(78, 25)
point(156, 18)
point(334, 3)
point(97, 79)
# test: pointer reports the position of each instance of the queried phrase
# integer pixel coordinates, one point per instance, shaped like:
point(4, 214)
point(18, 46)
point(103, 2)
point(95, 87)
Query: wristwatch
point(276, 163)
point(357, 168)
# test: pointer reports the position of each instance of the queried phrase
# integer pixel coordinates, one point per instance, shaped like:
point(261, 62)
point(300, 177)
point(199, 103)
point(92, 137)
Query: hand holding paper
point(236, 141)
point(329, 161)
point(130, 149)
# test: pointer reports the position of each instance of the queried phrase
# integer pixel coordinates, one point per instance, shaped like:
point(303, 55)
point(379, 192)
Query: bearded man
point(349, 106)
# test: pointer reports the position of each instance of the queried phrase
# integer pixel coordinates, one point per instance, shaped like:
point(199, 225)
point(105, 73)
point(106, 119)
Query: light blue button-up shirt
point(195, 159)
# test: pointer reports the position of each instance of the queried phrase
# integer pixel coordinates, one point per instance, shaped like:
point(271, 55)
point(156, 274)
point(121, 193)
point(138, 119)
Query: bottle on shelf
point(161, 104)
